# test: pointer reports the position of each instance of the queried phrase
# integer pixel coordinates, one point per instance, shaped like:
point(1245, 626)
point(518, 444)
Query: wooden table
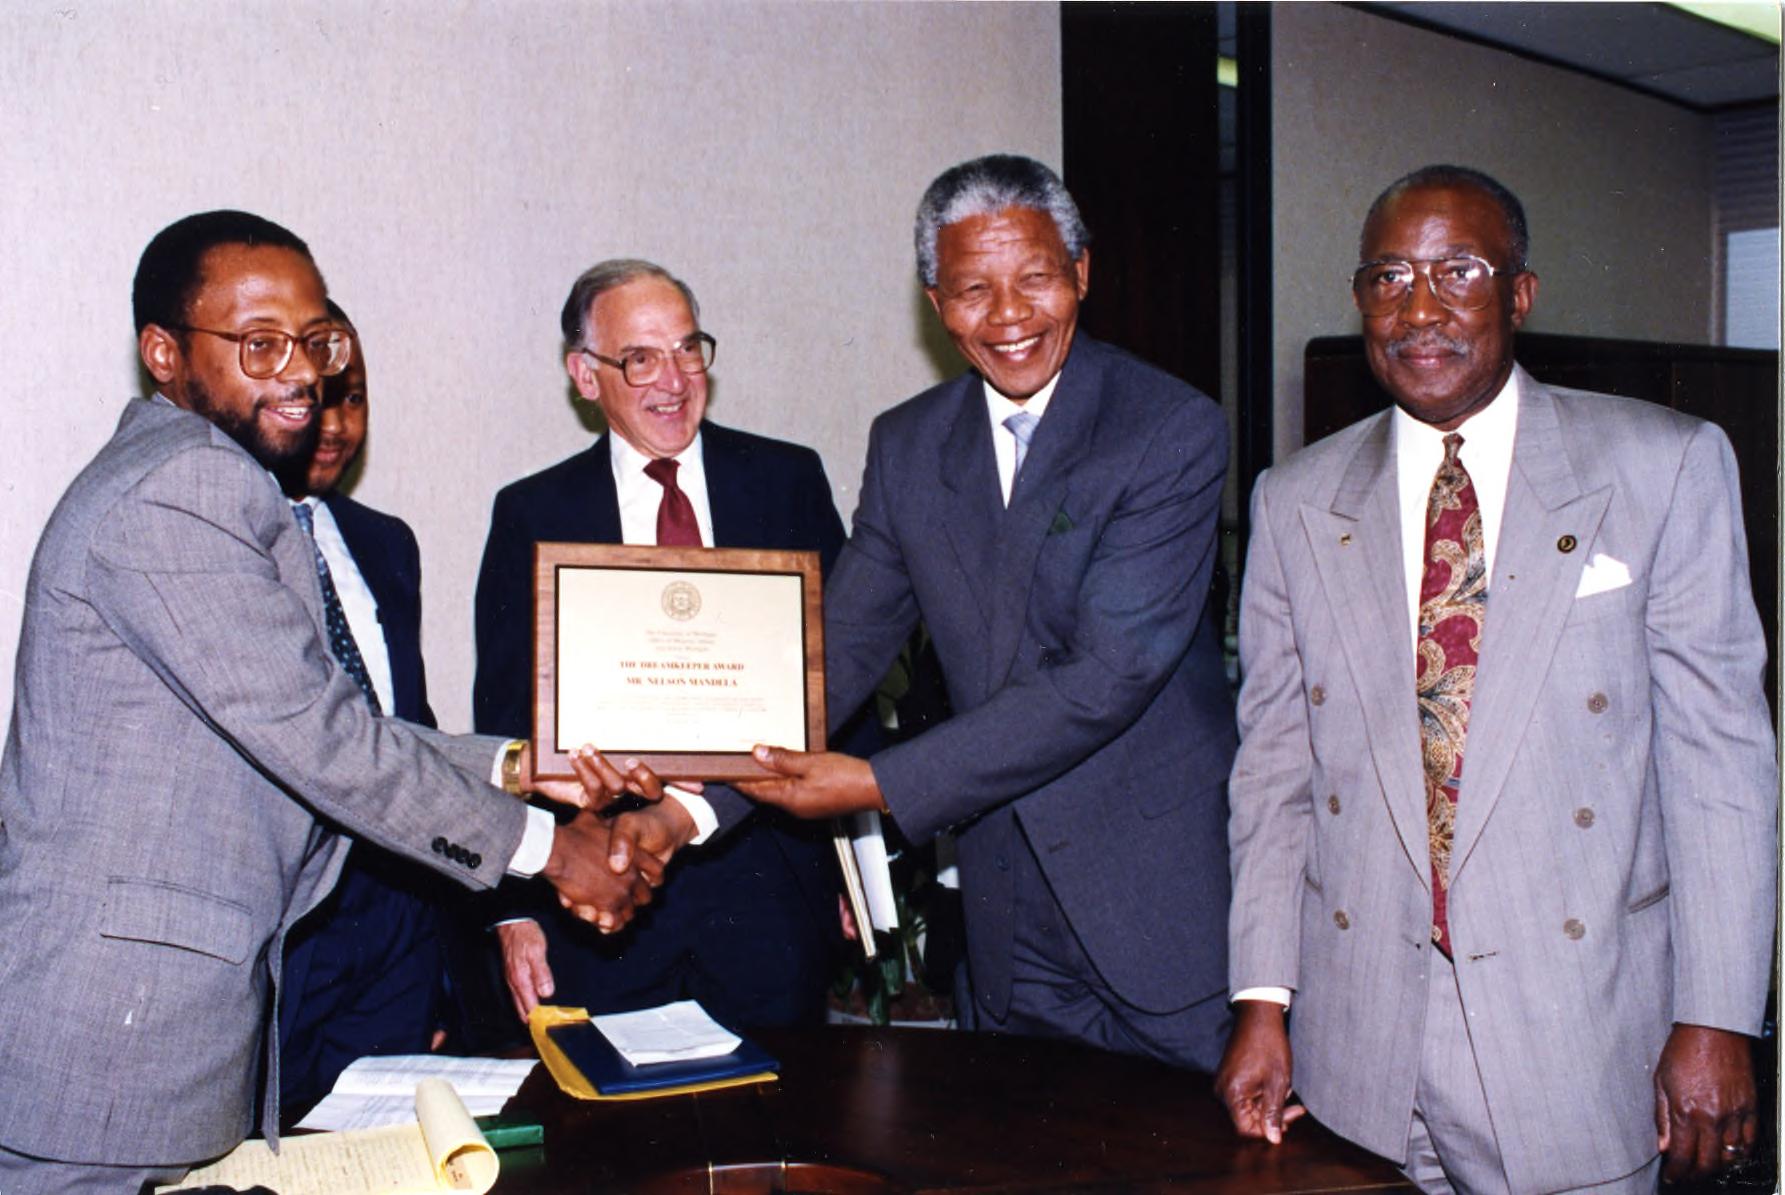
point(913, 1110)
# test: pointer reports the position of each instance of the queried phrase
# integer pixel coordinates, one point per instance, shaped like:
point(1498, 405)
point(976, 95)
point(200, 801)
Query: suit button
point(439, 845)
point(1340, 920)
point(1583, 817)
point(1597, 703)
point(474, 860)
point(1573, 930)
point(1332, 804)
point(1317, 695)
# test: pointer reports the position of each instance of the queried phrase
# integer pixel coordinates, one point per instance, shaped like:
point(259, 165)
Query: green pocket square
point(1062, 523)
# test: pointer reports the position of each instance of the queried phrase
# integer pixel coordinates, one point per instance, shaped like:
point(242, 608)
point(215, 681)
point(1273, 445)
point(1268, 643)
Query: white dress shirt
point(640, 496)
point(357, 601)
point(1486, 453)
point(998, 409)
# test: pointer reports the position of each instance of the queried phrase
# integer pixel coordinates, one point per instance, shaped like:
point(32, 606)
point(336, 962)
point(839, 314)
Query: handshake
point(605, 864)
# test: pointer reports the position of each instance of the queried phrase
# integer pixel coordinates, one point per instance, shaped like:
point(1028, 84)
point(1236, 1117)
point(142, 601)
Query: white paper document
point(678, 1032)
point(373, 1092)
point(868, 837)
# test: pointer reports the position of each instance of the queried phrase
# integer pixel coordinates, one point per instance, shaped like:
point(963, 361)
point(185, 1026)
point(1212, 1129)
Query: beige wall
point(454, 166)
point(1616, 186)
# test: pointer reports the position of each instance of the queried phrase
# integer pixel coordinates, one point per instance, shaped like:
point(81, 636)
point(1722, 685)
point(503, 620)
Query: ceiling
point(1656, 48)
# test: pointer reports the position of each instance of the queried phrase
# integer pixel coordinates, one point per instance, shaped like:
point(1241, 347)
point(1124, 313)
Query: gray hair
point(1445, 175)
point(602, 277)
point(986, 186)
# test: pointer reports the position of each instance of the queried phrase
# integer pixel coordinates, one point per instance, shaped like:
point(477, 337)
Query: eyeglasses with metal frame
point(642, 366)
point(265, 352)
point(1461, 283)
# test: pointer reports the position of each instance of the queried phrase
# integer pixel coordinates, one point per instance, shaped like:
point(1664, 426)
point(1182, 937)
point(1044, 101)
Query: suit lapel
point(593, 503)
point(1529, 597)
point(733, 495)
point(1061, 439)
point(973, 505)
point(1356, 547)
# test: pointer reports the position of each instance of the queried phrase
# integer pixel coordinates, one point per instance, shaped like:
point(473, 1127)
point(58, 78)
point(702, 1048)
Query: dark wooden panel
point(1142, 155)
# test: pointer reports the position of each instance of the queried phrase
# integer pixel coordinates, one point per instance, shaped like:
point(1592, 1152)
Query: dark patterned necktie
point(340, 635)
point(1452, 606)
point(676, 525)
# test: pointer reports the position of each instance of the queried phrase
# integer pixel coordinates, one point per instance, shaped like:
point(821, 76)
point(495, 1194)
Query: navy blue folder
point(612, 1075)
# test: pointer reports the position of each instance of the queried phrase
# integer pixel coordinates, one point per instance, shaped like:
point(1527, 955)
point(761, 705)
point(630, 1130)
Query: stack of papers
point(374, 1092)
point(679, 1032)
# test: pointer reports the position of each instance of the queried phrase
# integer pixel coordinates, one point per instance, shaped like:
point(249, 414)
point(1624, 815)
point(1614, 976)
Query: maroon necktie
point(1452, 605)
point(676, 527)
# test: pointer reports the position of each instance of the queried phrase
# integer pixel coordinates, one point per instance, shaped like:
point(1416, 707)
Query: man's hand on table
point(1253, 1079)
point(524, 965)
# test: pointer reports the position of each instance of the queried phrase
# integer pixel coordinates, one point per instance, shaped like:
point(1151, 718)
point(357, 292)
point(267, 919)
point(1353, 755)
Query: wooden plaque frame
point(551, 759)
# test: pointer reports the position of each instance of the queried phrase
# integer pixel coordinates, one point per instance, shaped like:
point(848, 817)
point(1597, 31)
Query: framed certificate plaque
point(681, 658)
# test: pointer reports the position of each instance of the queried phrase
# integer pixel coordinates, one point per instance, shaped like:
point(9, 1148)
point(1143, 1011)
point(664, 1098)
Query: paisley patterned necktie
point(1452, 605)
point(340, 637)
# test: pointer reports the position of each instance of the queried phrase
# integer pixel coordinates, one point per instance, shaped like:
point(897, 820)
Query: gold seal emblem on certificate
point(681, 601)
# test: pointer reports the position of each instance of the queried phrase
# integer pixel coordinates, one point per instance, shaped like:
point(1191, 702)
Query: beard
point(286, 458)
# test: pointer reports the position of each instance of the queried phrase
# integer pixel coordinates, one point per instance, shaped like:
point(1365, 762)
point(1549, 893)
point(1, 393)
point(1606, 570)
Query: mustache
point(311, 394)
point(1421, 342)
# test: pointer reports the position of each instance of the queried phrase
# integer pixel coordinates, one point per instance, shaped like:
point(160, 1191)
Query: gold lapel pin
point(1566, 543)
point(1345, 540)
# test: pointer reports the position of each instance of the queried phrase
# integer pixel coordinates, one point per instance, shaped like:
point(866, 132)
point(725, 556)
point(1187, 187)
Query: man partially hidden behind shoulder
point(185, 741)
point(1503, 810)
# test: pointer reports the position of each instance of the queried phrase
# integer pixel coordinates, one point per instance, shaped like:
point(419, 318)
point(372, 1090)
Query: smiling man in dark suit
point(1051, 517)
point(751, 925)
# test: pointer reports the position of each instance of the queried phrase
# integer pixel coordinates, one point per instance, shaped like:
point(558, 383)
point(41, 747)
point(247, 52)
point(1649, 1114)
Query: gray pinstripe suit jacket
point(1614, 855)
point(182, 749)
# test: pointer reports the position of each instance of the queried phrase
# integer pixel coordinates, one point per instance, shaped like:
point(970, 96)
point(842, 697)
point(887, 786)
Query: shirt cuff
point(535, 850)
point(698, 808)
point(1269, 995)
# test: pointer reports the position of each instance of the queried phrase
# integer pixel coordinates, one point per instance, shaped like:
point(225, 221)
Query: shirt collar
point(630, 462)
point(1488, 431)
point(1002, 407)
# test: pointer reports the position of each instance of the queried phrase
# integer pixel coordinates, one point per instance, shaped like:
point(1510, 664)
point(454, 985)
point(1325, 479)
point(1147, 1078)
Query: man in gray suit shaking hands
point(1503, 810)
point(191, 729)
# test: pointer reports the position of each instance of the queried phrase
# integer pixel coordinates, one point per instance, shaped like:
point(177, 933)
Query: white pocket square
point(1602, 575)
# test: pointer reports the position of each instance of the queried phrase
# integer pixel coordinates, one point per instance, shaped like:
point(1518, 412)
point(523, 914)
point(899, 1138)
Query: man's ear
point(160, 351)
point(1524, 294)
point(582, 374)
point(934, 298)
point(1082, 272)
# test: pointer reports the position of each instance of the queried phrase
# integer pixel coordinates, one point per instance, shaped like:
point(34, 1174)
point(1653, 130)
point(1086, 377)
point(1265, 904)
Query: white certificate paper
point(679, 661)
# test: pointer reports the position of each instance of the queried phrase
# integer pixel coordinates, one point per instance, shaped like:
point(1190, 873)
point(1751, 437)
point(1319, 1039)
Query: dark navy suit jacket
point(762, 493)
point(362, 971)
point(1085, 674)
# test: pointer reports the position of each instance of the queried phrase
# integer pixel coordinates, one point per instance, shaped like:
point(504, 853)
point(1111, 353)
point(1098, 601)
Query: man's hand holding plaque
point(597, 783)
point(814, 784)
